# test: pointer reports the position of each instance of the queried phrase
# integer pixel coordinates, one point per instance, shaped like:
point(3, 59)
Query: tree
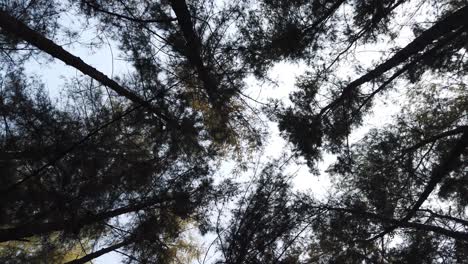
point(124, 162)
point(251, 236)
point(384, 181)
point(42, 249)
point(73, 168)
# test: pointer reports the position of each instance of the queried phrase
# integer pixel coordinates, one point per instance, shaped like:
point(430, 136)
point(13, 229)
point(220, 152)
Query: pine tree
point(124, 162)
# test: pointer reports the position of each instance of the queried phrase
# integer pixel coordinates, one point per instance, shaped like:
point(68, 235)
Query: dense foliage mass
point(128, 163)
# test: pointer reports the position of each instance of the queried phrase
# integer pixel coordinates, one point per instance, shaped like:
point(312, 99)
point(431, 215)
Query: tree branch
point(68, 150)
point(16, 233)
point(133, 19)
point(404, 224)
point(443, 27)
point(447, 164)
point(448, 217)
point(100, 252)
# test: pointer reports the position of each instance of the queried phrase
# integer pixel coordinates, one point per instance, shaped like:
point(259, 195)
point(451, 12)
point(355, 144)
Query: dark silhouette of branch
point(403, 224)
point(448, 217)
point(100, 252)
point(130, 18)
point(456, 131)
point(38, 172)
point(444, 168)
point(361, 33)
point(77, 223)
point(430, 53)
point(325, 16)
point(447, 164)
point(440, 29)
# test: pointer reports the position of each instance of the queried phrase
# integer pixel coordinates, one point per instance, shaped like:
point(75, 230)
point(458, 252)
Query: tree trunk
point(193, 49)
point(404, 224)
point(19, 29)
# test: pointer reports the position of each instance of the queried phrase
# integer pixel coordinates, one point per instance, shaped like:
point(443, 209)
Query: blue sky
point(106, 59)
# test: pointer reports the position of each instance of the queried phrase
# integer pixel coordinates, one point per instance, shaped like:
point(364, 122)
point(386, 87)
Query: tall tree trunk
point(20, 30)
point(193, 50)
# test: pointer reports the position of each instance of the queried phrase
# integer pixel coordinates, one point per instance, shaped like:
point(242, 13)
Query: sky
point(106, 59)
point(55, 74)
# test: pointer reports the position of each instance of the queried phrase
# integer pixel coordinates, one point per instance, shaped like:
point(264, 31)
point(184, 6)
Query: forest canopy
point(186, 152)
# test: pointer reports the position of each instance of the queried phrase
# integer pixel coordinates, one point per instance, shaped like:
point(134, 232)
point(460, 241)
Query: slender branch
point(38, 172)
point(77, 223)
point(447, 164)
point(456, 131)
point(327, 15)
point(130, 18)
point(443, 27)
point(430, 53)
point(100, 252)
point(404, 224)
point(444, 168)
point(448, 217)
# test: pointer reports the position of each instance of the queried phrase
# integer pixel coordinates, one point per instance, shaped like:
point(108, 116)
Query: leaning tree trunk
point(20, 30)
